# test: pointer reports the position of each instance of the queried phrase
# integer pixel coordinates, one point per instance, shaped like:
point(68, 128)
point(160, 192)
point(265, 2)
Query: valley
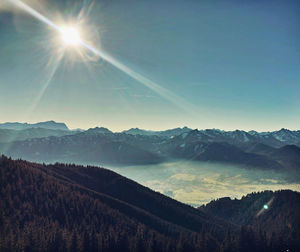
point(197, 183)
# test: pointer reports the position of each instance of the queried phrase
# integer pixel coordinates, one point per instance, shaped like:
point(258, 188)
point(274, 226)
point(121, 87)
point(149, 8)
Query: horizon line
point(149, 130)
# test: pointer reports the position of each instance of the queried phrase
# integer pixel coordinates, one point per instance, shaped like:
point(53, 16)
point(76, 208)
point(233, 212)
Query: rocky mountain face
point(11, 135)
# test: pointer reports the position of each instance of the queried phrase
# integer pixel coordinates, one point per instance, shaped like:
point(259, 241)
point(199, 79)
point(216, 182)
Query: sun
point(70, 36)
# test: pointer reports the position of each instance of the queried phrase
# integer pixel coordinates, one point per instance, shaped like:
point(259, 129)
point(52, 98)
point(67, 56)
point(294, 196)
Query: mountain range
point(61, 207)
point(266, 150)
point(10, 135)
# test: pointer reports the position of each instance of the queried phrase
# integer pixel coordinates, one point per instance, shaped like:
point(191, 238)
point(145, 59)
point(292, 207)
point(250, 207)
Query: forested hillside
point(276, 215)
point(74, 208)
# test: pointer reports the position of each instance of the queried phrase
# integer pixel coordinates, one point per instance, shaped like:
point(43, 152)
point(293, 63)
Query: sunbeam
point(163, 92)
point(53, 68)
point(34, 13)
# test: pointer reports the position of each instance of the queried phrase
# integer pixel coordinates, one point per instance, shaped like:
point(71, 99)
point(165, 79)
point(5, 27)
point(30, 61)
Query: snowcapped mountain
point(280, 137)
point(242, 138)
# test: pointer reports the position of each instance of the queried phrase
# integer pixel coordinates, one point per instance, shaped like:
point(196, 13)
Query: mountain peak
point(284, 130)
point(99, 130)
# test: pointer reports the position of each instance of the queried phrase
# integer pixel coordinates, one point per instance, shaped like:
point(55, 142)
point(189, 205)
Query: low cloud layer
point(198, 183)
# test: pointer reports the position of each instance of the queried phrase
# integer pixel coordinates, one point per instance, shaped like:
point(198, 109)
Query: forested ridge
point(63, 207)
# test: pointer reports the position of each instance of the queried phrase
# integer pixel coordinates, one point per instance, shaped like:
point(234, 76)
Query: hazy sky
point(235, 63)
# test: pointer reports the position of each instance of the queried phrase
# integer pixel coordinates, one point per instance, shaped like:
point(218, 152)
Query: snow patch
point(246, 139)
point(184, 135)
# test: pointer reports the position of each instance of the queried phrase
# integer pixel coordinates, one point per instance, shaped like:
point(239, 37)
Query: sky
point(218, 64)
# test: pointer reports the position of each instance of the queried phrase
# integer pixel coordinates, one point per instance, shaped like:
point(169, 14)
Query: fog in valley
point(197, 183)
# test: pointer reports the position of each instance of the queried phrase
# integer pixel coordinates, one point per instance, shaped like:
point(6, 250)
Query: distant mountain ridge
point(275, 138)
point(45, 125)
point(239, 137)
point(164, 133)
point(91, 146)
point(10, 135)
point(99, 145)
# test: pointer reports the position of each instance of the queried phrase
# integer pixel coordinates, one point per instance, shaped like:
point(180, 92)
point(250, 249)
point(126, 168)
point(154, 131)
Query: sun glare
point(70, 36)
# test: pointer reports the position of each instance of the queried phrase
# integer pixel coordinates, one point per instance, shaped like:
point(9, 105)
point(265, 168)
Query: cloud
point(271, 181)
point(184, 177)
point(198, 190)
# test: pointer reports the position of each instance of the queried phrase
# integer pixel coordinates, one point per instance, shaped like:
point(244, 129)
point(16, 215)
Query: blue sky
point(236, 63)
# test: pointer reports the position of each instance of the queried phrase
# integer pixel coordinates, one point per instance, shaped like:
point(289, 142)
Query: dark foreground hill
point(270, 213)
point(74, 208)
